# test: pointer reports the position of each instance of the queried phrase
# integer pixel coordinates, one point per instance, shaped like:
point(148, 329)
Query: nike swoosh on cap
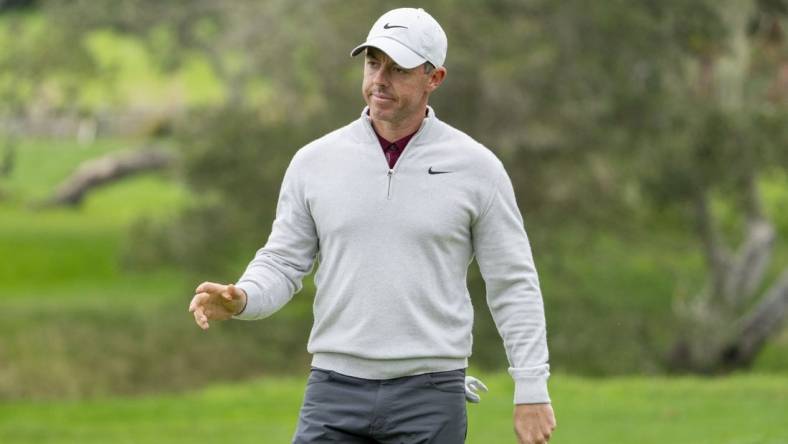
point(388, 26)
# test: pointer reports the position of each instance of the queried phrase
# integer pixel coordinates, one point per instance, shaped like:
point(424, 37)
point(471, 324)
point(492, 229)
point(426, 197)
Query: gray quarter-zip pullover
point(393, 247)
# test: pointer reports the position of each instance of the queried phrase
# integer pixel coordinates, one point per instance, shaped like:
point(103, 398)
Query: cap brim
point(398, 52)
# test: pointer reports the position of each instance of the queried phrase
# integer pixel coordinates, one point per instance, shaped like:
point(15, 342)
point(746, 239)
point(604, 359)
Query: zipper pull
point(388, 192)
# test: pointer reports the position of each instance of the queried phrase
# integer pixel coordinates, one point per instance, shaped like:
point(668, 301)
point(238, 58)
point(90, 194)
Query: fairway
point(748, 409)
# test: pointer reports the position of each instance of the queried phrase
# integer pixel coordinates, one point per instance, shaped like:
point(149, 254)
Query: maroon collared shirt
point(393, 150)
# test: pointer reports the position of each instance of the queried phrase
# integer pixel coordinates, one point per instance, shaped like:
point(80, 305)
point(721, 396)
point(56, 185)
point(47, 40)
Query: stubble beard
point(388, 114)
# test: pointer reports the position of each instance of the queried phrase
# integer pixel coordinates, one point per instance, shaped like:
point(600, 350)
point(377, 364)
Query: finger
point(209, 287)
point(194, 302)
point(198, 300)
point(480, 386)
point(197, 318)
point(202, 320)
point(231, 292)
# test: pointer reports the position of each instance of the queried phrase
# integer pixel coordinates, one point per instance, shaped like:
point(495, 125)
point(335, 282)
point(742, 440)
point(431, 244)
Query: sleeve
point(277, 270)
point(504, 256)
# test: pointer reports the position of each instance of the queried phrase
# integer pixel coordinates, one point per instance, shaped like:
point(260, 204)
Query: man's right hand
point(216, 301)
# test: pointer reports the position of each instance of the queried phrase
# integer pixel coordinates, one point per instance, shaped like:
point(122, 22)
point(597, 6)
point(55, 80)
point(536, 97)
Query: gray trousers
point(428, 408)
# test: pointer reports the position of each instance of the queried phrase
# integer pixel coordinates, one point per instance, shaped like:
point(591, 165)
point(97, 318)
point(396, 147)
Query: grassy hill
point(66, 255)
point(744, 409)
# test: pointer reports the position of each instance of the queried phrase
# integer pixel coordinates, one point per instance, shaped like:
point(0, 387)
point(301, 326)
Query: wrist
point(243, 305)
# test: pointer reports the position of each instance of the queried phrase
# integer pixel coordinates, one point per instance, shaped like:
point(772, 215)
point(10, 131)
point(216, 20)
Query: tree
point(687, 101)
point(739, 134)
point(684, 102)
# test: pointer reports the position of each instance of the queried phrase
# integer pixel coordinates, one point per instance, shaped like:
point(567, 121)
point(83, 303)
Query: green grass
point(735, 410)
point(76, 321)
point(71, 254)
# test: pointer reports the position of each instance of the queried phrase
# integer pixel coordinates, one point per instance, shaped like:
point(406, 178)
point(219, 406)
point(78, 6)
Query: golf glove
point(472, 386)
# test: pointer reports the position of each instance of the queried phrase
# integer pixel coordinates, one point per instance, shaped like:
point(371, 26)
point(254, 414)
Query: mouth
point(381, 97)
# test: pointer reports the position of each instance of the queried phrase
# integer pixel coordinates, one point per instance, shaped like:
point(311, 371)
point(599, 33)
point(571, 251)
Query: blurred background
point(142, 145)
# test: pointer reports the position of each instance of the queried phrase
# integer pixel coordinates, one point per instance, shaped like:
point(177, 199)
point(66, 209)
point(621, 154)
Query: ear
point(436, 78)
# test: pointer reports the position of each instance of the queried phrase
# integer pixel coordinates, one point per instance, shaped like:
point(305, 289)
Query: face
point(395, 94)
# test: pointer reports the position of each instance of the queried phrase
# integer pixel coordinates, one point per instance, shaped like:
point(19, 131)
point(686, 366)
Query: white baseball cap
point(409, 36)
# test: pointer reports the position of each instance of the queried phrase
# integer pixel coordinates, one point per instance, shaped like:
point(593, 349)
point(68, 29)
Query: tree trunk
point(113, 167)
point(716, 335)
point(754, 329)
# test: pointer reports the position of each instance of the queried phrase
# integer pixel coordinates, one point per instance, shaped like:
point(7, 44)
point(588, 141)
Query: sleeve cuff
point(254, 301)
point(263, 298)
point(530, 389)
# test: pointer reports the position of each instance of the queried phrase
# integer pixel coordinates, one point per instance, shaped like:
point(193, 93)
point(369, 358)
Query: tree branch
point(763, 321)
point(753, 257)
point(717, 254)
point(96, 172)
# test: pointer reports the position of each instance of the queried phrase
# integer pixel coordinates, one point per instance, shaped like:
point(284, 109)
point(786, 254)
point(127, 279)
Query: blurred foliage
point(233, 159)
point(148, 348)
point(612, 95)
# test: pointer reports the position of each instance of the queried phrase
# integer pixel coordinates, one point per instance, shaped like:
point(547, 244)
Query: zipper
point(388, 194)
point(391, 171)
point(402, 156)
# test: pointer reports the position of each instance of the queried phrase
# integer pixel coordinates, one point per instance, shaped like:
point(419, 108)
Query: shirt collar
point(424, 130)
point(399, 144)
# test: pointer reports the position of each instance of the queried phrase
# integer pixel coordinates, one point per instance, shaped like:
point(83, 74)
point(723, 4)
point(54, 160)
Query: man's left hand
point(533, 423)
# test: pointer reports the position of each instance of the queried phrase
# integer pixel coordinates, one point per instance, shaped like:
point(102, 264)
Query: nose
point(380, 77)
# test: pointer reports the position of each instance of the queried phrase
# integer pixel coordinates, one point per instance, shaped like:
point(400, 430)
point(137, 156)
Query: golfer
point(394, 207)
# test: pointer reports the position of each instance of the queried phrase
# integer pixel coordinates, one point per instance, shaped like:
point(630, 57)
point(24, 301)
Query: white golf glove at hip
point(472, 386)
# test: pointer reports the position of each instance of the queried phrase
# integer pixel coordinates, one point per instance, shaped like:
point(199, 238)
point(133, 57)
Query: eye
point(401, 70)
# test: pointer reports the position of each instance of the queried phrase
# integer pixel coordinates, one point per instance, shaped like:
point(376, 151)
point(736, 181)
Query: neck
point(393, 131)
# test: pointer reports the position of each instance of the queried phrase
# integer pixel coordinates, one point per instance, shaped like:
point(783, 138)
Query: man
point(394, 206)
